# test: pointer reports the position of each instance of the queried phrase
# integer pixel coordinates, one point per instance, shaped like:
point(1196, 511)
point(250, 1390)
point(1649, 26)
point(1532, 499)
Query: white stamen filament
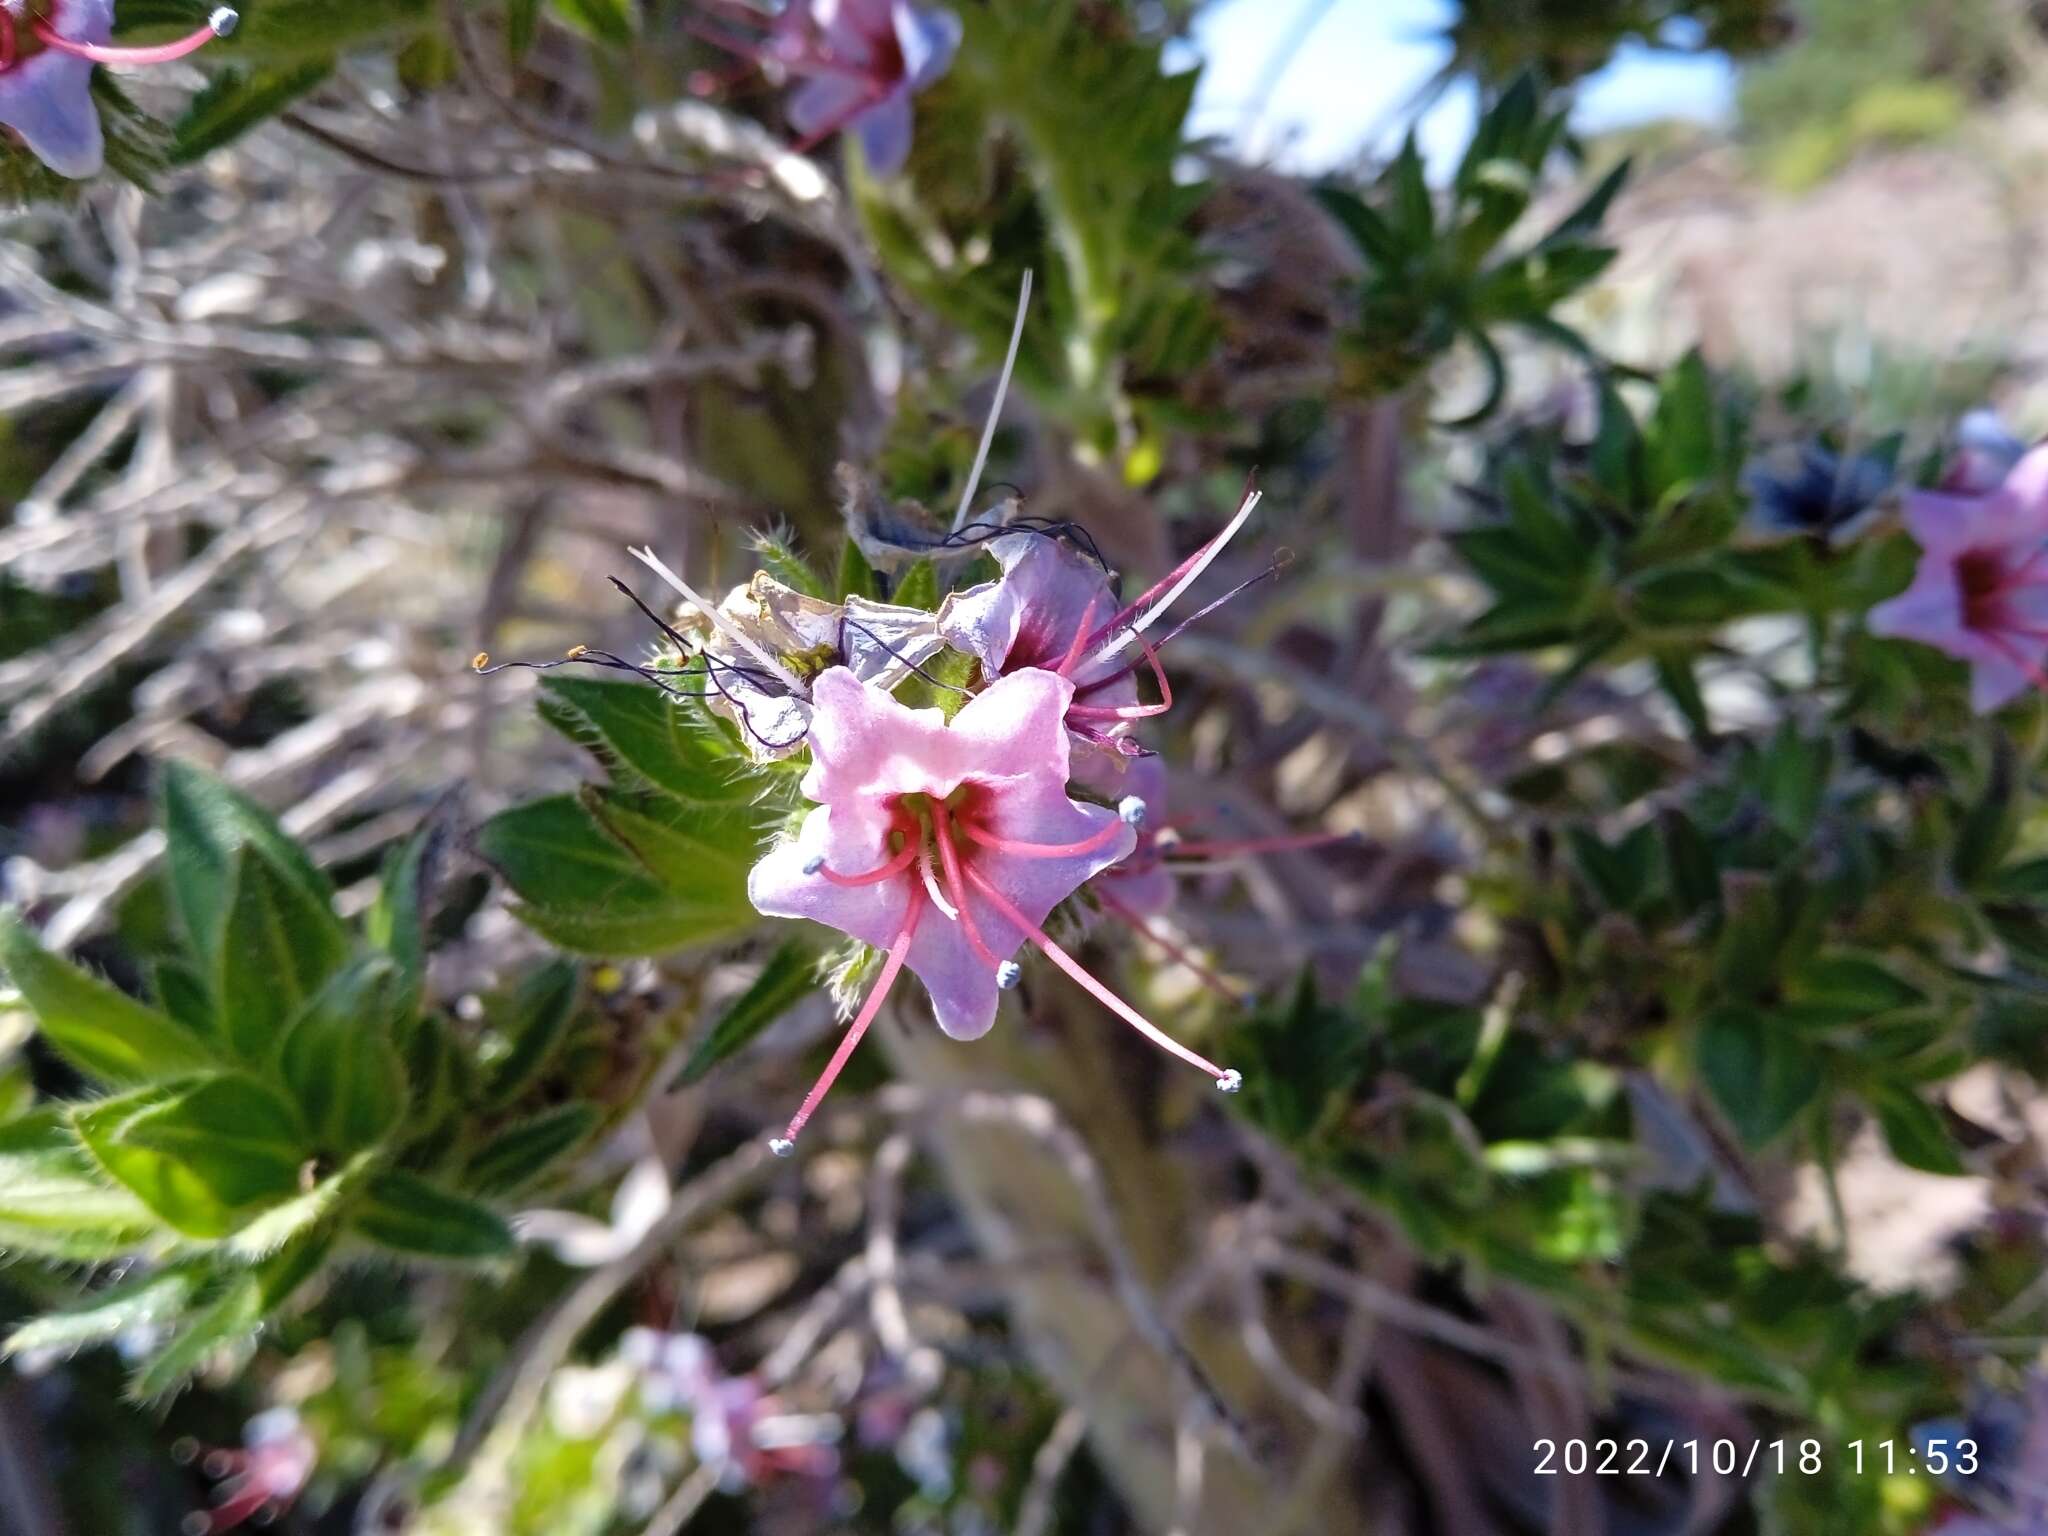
point(1189, 577)
point(719, 622)
point(931, 883)
point(995, 410)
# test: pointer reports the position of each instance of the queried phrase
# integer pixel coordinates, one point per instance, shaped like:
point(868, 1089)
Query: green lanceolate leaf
point(100, 1030)
point(406, 1214)
point(339, 1061)
point(54, 1203)
point(919, 587)
point(201, 1155)
point(1760, 1072)
point(536, 1022)
point(145, 1301)
point(522, 1151)
point(228, 1321)
point(790, 975)
point(585, 891)
point(522, 19)
point(205, 824)
point(397, 921)
point(236, 100)
point(277, 950)
point(602, 21)
point(1914, 1132)
point(656, 740)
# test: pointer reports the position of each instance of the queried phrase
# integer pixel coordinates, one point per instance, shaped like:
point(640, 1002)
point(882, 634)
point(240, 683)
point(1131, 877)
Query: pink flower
point(47, 52)
point(1981, 590)
point(1055, 607)
point(946, 844)
point(859, 63)
point(265, 1476)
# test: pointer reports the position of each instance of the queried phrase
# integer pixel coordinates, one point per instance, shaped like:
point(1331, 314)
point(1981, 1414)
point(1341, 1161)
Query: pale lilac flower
point(734, 1423)
point(47, 54)
point(271, 1469)
point(1055, 608)
point(1986, 451)
point(946, 844)
point(1981, 590)
point(860, 62)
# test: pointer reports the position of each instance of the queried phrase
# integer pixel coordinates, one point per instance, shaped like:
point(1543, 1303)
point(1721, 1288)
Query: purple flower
point(46, 62)
point(860, 62)
point(946, 844)
point(1981, 590)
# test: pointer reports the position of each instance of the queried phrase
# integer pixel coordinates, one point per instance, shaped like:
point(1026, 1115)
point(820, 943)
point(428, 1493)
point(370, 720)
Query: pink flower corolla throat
point(946, 844)
point(1980, 592)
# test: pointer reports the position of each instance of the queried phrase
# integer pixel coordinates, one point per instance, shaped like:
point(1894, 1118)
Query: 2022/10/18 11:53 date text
point(1738, 1458)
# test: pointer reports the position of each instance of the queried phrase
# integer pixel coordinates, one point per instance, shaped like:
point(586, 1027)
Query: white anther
point(1132, 810)
point(224, 21)
point(1230, 1081)
point(1008, 974)
point(781, 1146)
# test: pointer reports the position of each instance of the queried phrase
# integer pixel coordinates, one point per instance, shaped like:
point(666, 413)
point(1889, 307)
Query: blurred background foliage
point(388, 1050)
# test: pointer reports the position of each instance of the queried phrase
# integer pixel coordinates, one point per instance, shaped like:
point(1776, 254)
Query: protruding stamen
point(1008, 974)
point(897, 951)
point(1129, 711)
point(1010, 845)
point(481, 659)
point(1081, 633)
point(1178, 953)
point(1152, 604)
point(781, 1146)
point(219, 24)
point(888, 871)
point(949, 856)
point(1131, 811)
point(1096, 989)
point(1230, 1081)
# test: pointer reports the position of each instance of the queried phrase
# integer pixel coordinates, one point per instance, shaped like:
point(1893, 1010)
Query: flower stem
point(219, 24)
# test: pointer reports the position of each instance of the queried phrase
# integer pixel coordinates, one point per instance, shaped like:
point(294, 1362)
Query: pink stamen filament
point(949, 857)
point(2015, 578)
point(1073, 655)
point(1131, 711)
point(898, 950)
point(2013, 654)
point(1023, 850)
point(1155, 599)
point(1096, 989)
point(887, 871)
point(1176, 952)
point(9, 44)
point(219, 24)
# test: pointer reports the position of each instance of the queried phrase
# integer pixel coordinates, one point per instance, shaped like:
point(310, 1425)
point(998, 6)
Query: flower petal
point(825, 102)
point(48, 101)
point(928, 39)
point(884, 132)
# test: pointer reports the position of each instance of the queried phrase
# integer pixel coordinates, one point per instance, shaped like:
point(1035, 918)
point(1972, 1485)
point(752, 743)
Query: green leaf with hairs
point(100, 1030)
point(406, 1214)
point(238, 99)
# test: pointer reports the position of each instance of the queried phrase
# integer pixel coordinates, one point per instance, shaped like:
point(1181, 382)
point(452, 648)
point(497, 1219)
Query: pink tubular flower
point(47, 52)
point(946, 844)
point(734, 1423)
point(265, 1476)
point(1981, 590)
